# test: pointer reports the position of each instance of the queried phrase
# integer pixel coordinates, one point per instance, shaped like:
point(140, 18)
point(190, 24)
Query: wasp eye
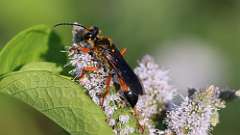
point(88, 36)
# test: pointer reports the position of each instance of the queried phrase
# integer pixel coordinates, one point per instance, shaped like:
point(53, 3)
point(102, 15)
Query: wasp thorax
point(103, 43)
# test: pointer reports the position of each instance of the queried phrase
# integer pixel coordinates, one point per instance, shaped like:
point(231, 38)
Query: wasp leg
point(123, 51)
point(91, 69)
point(108, 81)
point(124, 88)
point(72, 51)
point(123, 85)
point(84, 49)
point(87, 69)
point(136, 114)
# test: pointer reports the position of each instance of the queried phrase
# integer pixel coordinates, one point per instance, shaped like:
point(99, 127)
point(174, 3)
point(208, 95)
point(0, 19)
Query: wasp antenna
point(71, 24)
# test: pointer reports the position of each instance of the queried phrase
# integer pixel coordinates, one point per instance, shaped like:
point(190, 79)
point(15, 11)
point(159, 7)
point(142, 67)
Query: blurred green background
point(197, 39)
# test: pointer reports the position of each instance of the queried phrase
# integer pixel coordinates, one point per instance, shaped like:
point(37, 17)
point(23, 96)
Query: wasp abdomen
point(131, 97)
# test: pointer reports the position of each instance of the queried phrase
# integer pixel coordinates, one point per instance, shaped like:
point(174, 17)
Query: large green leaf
point(38, 43)
point(58, 98)
point(46, 66)
point(13, 113)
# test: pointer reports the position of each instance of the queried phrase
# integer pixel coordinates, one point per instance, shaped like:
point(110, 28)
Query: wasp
point(108, 54)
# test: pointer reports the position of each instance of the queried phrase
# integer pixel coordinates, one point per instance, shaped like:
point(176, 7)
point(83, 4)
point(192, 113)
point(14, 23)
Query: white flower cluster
point(120, 124)
point(158, 92)
point(197, 114)
point(93, 81)
point(123, 120)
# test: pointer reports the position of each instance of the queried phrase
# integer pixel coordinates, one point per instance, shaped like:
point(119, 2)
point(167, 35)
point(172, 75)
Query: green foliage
point(58, 98)
point(48, 66)
point(38, 43)
point(146, 25)
point(229, 120)
point(16, 117)
point(35, 55)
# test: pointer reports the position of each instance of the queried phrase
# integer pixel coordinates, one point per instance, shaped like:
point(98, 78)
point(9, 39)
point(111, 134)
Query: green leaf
point(19, 116)
point(38, 43)
point(46, 66)
point(59, 99)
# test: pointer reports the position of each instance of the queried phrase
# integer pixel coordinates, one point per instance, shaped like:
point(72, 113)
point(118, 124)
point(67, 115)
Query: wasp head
point(92, 33)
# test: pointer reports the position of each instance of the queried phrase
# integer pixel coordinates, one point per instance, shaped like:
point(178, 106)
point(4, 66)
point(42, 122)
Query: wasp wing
point(124, 71)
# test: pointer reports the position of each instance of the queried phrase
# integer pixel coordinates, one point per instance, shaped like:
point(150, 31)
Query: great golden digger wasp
point(112, 58)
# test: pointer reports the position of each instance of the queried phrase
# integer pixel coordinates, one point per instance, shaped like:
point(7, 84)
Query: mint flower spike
point(197, 114)
point(158, 92)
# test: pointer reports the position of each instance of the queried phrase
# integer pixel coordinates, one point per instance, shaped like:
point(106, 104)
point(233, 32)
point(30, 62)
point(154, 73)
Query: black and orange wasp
point(110, 55)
